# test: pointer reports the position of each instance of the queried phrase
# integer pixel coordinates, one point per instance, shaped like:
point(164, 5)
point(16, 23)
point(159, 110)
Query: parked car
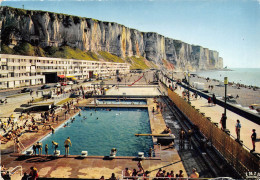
point(70, 83)
point(86, 80)
point(63, 84)
point(57, 85)
point(45, 86)
point(24, 90)
point(101, 78)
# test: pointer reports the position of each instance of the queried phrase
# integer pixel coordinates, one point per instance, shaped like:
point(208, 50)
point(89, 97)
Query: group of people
point(253, 136)
point(135, 173)
point(33, 174)
point(184, 136)
point(38, 146)
point(212, 100)
point(160, 106)
point(162, 173)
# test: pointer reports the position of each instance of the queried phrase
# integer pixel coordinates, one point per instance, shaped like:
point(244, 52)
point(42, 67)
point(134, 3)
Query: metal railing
point(12, 174)
point(16, 169)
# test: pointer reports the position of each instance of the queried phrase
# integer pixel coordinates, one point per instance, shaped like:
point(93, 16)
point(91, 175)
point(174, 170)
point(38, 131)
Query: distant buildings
point(17, 71)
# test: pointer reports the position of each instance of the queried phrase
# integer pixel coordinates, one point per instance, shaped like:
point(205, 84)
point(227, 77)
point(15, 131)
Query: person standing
point(34, 149)
point(46, 149)
point(223, 121)
point(253, 137)
point(56, 145)
point(196, 95)
point(209, 101)
point(182, 136)
point(190, 133)
point(39, 147)
point(139, 165)
point(67, 144)
point(33, 173)
point(214, 99)
point(150, 152)
point(238, 127)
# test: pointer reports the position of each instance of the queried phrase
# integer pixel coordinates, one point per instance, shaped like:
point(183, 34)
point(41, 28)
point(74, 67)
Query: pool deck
point(92, 166)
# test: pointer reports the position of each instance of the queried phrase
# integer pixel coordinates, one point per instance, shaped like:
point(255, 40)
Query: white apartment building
point(18, 71)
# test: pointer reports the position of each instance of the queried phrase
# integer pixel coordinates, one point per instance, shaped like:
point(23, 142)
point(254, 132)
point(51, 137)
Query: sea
point(247, 76)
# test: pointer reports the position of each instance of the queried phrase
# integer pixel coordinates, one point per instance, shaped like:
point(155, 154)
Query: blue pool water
point(121, 101)
point(112, 129)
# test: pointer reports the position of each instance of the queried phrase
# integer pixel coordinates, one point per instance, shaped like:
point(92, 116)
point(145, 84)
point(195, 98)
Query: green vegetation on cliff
point(71, 53)
point(25, 49)
point(137, 62)
point(110, 57)
point(6, 50)
point(67, 52)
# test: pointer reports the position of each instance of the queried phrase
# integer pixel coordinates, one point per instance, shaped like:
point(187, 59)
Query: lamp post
point(172, 80)
point(125, 79)
point(225, 107)
point(189, 87)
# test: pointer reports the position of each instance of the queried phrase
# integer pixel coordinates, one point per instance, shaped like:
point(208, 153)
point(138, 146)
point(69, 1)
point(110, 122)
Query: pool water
point(121, 101)
point(98, 131)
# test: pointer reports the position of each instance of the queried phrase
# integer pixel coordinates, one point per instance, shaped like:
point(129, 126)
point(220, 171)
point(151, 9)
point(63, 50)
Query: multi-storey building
point(17, 70)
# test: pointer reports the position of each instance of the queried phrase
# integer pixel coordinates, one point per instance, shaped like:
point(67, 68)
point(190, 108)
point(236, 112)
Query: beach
point(246, 95)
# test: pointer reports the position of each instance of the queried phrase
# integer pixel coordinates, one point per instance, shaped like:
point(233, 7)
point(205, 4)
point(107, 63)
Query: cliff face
point(51, 29)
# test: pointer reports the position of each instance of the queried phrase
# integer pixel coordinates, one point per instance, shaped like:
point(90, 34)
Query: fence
point(242, 160)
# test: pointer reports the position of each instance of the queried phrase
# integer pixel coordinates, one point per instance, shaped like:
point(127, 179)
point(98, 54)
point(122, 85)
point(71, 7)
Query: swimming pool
point(98, 131)
point(121, 101)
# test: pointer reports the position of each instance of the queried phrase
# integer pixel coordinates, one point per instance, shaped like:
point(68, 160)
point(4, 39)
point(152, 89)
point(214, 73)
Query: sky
point(231, 27)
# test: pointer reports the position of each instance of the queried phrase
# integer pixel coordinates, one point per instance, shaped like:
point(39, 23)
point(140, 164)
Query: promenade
point(215, 113)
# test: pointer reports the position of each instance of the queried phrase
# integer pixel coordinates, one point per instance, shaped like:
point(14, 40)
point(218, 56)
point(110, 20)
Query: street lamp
point(189, 87)
point(172, 80)
point(225, 107)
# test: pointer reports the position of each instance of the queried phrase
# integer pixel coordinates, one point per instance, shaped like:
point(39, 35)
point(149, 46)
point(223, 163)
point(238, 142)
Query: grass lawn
point(63, 101)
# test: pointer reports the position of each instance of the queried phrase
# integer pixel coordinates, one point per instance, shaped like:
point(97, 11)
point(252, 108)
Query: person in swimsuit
point(127, 172)
point(16, 140)
point(150, 152)
point(167, 130)
point(67, 143)
point(46, 149)
point(39, 147)
point(52, 130)
point(194, 174)
point(56, 145)
point(139, 165)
